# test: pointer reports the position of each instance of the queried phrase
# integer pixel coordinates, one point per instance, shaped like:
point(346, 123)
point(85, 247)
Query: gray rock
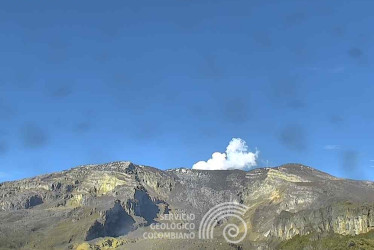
point(119, 199)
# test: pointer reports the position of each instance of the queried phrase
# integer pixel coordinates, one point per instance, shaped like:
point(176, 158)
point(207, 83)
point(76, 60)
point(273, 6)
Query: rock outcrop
point(340, 218)
point(121, 200)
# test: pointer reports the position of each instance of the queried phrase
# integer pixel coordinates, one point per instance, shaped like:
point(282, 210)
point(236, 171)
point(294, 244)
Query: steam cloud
point(237, 156)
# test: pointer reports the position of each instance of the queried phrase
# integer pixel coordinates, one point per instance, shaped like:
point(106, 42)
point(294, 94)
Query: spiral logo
point(231, 232)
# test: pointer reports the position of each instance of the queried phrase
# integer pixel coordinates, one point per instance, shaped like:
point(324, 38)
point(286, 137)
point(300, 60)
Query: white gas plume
point(237, 156)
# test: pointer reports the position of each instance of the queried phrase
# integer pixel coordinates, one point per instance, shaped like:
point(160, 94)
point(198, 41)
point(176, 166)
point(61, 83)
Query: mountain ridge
point(286, 165)
point(122, 199)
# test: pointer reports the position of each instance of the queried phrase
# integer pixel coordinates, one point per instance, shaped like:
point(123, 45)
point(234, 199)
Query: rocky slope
point(111, 205)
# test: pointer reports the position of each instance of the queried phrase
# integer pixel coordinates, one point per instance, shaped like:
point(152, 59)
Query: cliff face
point(340, 218)
point(122, 199)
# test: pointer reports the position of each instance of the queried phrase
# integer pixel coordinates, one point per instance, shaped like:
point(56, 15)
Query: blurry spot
point(295, 18)
point(57, 50)
point(188, 24)
point(235, 110)
point(355, 53)
point(121, 82)
point(147, 131)
point(338, 31)
point(262, 39)
point(33, 136)
point(3, 147)
point(112, 27)
point(58, 43)
point(59, 123)
point(349, 160)
point(61, 91)
point(296, 104)
point(287, 91)
point(207, 132)
point(143, 95)
point(210, 68)
point(203, 113)
point(23, 79)
point(336, 70)
point(197, 110)
point(323, 10)
point(331, 147)
point(59, 86)
point(96, 156)
point(336, 119)
point(56, 57)
point(3, 175)
point(82, 127)
point(312, 68)
point(112, 31)
point(285, 87)
point(293, 137)
point(102, 57)
point(6, 111)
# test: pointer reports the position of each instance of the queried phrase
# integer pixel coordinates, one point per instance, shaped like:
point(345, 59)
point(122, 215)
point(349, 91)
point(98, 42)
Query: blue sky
point(167, 83)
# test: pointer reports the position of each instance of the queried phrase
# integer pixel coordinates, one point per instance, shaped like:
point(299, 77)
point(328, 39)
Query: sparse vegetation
point(330, 242)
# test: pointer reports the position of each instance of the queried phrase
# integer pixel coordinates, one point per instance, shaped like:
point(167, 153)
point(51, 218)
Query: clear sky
point(167, 83)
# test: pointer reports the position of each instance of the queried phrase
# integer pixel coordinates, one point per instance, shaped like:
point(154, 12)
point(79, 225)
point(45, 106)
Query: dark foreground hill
point(115, 205)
